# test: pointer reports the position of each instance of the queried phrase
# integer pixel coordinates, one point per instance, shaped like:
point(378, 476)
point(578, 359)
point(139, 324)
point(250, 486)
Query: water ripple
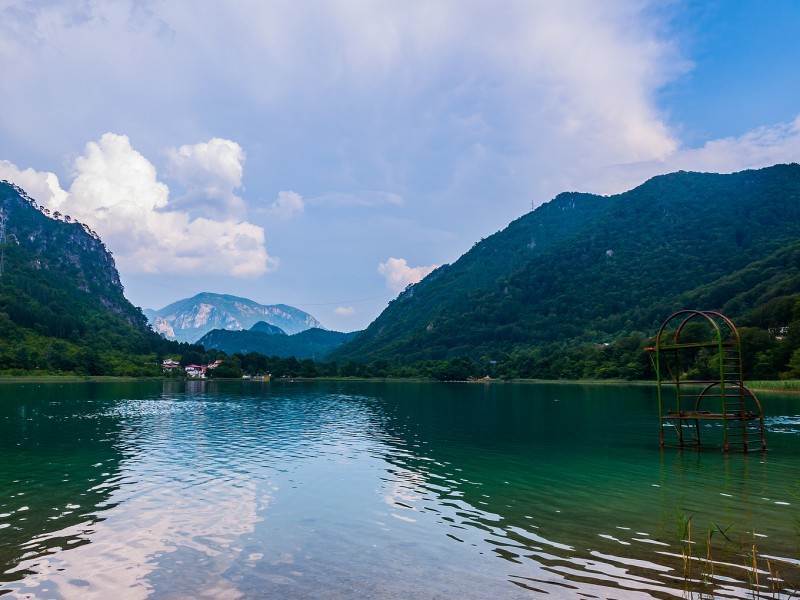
point(243, 491)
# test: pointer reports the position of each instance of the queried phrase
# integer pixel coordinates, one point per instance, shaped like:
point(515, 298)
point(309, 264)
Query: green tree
point(230, 367)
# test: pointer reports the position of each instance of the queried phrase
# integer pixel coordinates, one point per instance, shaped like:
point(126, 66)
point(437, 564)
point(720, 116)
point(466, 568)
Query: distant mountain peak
point(190, 319)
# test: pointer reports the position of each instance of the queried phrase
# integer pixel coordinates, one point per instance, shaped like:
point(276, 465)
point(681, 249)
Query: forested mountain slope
point(62, 306)
point(312, 343)
point(592, 269)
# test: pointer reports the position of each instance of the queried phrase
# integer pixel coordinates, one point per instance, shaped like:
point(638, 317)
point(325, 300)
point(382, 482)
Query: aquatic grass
point(700, 583)
point(707, 569)
point(707, 566)
point(723, 532)
point(705, 563)
point(755, 566)
point(684, 538)
point(684, 525)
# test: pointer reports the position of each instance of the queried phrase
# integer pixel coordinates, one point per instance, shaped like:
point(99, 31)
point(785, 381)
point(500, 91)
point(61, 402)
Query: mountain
point(312, 343)
point(264, 327)
point(62, 306)
point(588, 269)
point(189, 319)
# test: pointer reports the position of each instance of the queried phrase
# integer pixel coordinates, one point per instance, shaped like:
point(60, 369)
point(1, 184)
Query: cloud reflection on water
point(393, 490)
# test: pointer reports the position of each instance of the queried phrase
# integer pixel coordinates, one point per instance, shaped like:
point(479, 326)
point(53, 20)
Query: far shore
point(791, 386)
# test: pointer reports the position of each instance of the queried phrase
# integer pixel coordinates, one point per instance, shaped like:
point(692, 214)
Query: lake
point(383, 490)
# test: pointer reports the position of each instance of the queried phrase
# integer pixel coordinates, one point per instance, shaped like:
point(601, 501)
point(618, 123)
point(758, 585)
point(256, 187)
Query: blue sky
point(324, 154)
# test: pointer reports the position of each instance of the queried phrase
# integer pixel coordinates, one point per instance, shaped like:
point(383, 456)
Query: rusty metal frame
point(737, 404)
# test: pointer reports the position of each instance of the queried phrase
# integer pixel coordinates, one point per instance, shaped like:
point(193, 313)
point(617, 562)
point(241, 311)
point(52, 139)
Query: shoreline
point(777, 386)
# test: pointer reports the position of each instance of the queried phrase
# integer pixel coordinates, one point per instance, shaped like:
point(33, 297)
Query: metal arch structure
point(721, 398)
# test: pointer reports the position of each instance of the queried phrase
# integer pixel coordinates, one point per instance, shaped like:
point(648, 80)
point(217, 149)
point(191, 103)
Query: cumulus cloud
point(399, 274)
point(344, 311)
point(112, 177)
point(117, 193)
point(210, 172)
point(43, 187)
point(287, 205)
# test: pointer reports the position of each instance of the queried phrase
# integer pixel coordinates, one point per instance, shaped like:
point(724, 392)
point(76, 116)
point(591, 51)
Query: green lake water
point(383, 490)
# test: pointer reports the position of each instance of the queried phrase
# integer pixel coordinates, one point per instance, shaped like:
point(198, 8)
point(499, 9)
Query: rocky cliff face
point(190, 319)
point(42, 249)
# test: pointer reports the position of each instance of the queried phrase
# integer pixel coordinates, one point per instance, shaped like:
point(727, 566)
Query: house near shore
point(170, 364)
point(197, 371)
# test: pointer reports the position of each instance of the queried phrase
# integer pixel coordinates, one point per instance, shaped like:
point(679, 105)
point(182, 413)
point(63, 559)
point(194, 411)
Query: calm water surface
point(383, 490)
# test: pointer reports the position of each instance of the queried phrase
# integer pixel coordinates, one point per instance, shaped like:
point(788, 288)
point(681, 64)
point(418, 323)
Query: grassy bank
point(785, 385)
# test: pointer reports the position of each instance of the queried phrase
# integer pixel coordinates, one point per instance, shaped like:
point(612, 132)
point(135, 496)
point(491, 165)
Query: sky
point(326, 154)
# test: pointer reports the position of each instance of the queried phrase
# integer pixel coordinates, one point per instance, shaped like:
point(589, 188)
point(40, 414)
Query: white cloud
point(43, 187)
point(344, 311)
point(212, 164)
point(758, 148)
point(287, 205)
point(112, 177)
point(117, 193)
point(399, 275)
point(546, 88)
point(755, 149)
point(211, 172)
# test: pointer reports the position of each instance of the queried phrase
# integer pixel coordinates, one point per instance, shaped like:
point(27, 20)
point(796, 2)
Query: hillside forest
point(572, 290)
